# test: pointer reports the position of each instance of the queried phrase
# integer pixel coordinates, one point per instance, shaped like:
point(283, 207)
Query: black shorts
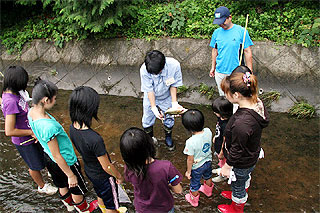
point(60, 179)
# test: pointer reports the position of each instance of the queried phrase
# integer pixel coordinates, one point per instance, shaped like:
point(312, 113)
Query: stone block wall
point(112, 66)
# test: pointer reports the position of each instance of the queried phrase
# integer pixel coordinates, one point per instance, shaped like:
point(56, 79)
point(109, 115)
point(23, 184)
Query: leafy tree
point(89, 15)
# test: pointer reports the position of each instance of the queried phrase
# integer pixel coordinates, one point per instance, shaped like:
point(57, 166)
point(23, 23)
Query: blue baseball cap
point(220, 15)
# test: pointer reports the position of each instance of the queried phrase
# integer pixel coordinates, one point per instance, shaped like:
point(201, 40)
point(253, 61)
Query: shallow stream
point(286, 180)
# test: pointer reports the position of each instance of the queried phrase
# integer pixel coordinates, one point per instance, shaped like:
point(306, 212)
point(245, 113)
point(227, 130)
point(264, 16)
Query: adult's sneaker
point(48, 189)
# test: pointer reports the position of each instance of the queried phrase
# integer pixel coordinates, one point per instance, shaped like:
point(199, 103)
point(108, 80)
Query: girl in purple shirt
point(152, 179)
point(15, 108)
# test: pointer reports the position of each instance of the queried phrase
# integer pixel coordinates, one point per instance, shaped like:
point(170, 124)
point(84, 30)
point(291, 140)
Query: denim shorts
point(107, 190)
point(33, 155)
point(239, 194)
point(204, 171)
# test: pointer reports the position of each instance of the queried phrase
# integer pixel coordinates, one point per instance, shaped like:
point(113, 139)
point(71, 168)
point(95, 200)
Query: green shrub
point(302, 110)
point(61, 21)
point(310, 36)
point(36, 28)
point(90, 15)
point(284, 22)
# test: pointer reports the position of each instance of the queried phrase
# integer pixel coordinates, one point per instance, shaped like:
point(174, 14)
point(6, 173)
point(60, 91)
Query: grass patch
point(268, 97)
point(209, 91)
point(302, 110)
point(182, 90)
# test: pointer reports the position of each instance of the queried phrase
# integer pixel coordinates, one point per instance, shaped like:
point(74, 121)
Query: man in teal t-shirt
point(226, 42)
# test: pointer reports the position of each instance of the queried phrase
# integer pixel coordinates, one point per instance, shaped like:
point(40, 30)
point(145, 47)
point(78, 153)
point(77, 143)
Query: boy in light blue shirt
point(198, 149)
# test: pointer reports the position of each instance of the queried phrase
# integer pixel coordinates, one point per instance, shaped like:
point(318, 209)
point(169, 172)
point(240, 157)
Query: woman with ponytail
point(242, 135)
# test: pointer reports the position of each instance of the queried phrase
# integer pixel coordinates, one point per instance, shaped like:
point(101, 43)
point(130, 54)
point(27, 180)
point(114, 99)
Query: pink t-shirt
point(153, 193)
point(15, 104)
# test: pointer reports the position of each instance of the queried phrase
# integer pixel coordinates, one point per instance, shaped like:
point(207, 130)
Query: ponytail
point(243, 81)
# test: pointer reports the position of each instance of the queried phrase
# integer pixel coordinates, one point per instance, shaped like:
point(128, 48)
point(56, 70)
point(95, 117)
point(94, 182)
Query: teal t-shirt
point(45, 130)
point(228, 42)
point(200, 147)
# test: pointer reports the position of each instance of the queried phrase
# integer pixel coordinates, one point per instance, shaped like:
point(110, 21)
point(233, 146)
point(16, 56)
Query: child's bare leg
point(103, 207)
point(77, 198)
point(195, 193)
point(63, 191)
point(100, 201)
point(111, 211)
point(208, 182)
point(37, 177)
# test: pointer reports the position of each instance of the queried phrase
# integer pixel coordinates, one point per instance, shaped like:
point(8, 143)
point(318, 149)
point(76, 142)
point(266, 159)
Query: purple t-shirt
point(15, 104)
point(153, 193)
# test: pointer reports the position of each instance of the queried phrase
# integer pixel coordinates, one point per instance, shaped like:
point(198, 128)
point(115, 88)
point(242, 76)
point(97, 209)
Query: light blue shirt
point(47, 129)
point(228, 44)
point(200, 147)
point(160, 84)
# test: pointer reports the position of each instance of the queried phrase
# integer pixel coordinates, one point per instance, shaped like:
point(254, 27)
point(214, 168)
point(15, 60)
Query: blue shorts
point(107, 190)
point(204, 171)
point(33, 155)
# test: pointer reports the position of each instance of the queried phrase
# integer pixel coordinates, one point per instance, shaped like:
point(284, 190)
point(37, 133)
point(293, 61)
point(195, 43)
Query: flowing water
point(286, 180)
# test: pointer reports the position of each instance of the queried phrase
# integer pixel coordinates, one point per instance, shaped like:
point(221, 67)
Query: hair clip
point(246, 78)
point(46, 88)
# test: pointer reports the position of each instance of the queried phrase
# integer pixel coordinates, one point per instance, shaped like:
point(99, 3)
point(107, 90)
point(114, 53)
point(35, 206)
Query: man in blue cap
point(226, 42)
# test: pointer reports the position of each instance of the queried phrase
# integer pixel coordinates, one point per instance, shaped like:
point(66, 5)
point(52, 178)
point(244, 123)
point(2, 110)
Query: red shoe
point(67, 201)
point(82, 206)
point(232, 208)
point(228, 194)
point(93, 205)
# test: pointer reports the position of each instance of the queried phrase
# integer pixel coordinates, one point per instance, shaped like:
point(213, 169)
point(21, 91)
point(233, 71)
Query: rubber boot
point(149, 131)
point(67, 201)
point(232, 208)
point(205, 189)
point(83, 206)
point(169, 142)
point(194, 201)
point(228, 194)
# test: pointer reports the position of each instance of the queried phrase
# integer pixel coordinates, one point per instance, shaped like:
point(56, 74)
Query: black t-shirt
point(91, 146)
point(221, 125)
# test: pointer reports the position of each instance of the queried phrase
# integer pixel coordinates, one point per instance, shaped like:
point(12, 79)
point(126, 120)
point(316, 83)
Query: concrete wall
point(112, 66)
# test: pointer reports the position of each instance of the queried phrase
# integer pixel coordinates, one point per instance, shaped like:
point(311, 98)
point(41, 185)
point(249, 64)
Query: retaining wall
point(112, 66)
